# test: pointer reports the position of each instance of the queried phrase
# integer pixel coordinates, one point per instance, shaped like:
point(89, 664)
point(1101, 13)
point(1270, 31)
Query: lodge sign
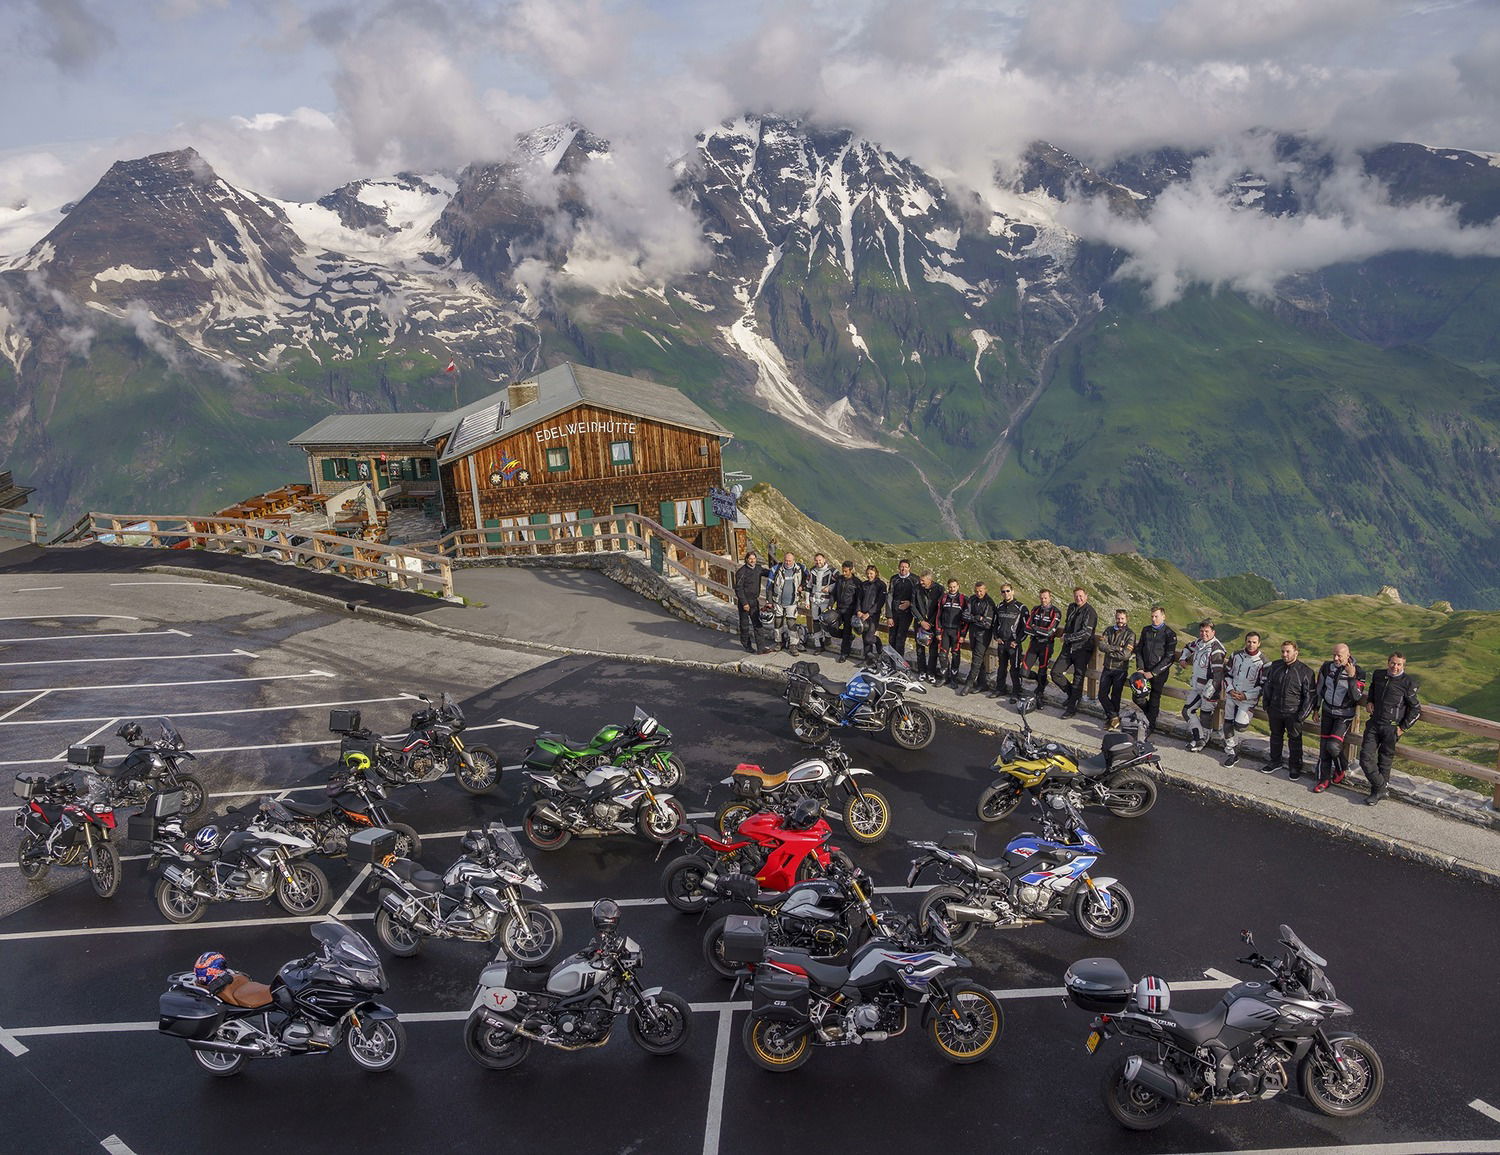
point(549, 432)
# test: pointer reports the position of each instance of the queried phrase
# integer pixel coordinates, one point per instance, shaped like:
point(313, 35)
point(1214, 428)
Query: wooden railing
point(276, 540)
point(18, 523)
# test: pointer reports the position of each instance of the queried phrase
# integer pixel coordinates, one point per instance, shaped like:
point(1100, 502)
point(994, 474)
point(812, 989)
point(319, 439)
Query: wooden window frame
point(628, 459)
point(567, 459)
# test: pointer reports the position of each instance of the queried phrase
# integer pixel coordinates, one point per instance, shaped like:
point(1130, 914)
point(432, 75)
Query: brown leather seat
point(768, 781)
point(241, 992)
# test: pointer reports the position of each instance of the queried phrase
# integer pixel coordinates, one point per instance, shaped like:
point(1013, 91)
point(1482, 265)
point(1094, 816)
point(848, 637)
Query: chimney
point(523, 393)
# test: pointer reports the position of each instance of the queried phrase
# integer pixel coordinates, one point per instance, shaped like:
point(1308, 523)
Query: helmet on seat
point(211, 970)
point(356, 763)
point(606, 916)
point(130, 731)
point(1153, 996)
point(206, 841)
point(475, 842)
point(804, 814)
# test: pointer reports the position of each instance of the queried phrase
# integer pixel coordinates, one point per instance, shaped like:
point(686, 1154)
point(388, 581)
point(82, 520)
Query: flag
point(452, 367)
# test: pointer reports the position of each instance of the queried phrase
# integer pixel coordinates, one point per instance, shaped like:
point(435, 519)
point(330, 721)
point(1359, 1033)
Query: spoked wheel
point(178, 905)
point(541, 833)
point(867, 818)
point(805, 727)
point(1101, 917)
point(666, 772)
point(408, 841)
point(1131, 795)
point(104, 869)
point(663, 1027)
point(304, 890)
point(492, 1047)
point(682, 884)
point(661, 821)
point(1134, 1106)
point(32, 869)
point(966, 1024)
point(533, 939)
point(770, 1046)
point(912, 727)
point(377, 1044)
point(730, 815)
point(476, 769)
point(935, 907)
point(401, 941)
point(1347, 1092)
point(999, 800)
point(193, 795)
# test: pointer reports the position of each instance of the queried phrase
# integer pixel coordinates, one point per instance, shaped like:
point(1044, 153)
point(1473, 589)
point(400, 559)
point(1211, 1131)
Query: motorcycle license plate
point(1091, 1044)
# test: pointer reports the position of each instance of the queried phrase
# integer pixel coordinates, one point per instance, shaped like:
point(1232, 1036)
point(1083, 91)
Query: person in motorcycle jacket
point(819, 586)
point(1394, 710)
point(1117, 644)
point(868, 610)
point(785, 585)
point(1341, 689)
point(1010, 633)
point(842, 596)
point(1155, 651)
point(1289, 695)
point(979, 621)
point(903, 581)
point(951, 611)
point(749, 580)
point(1208, 660)
point(1077, 650)
point(1243, 681)
point(1042, 624)
point(924, 607)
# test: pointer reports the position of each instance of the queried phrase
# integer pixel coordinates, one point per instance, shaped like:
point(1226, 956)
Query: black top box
point(1098, 984)
point(372, 845)
point(343, 721)
point(90, 755)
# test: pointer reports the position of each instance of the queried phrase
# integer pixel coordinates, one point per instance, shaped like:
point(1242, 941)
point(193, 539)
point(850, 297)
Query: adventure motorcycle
point(67, 819)
point(644, 738)
point(355, 803)
point(1115, 778)
point(1251, 1045)
point(774, 850)
point(432, 747)
point(872, 700)
point(478, 899)
point(866, 813)
point(798, 1002)
point(575, 1005)
point(312, 1005)
point(611, 799)
point(154, 765)
point(1035, 878)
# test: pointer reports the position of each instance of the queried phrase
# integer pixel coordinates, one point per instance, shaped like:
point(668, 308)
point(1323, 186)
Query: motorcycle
point(769, 851)
point(432, 747)
point(1035, 878)
point(1250, 1046)
point(866, 813)
point(478, 899)
point(643, 738)
point(798, 1002)
point(612, 799)
point(255, 864)
point(575, 1005)
point(1115, 778)
point(355, 803)
point(872, 700)
point(311, 1006)
point(67, 820)
point(154, 765)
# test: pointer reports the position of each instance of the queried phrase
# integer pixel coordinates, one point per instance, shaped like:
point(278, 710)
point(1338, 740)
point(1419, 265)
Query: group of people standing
point(1011, 644)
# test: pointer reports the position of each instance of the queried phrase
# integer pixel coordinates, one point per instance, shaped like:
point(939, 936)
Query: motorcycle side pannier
point(746, 785)
point(343, 721)
point(1098, 984)
point(163, 804)
point(780, 996)
point(189, 1014)
point(744, 938)
point(373, 845)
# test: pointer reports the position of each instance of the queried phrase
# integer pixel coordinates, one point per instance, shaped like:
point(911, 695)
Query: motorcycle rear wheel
point(534, 940)
point(104, 869)
point(476, 769)
point(662, 821)
point(492, 1047)
point(1133, 1106)
point(912, 727)
point(967, 1024)
point(401, 941)
point(377, 1044)
point(1139, 792)
point(867, 819)
point(681, 883)
point(408, 841)
point(218, 1063)
point(673, 1022)
point(768, 1047)
point(178, 905)
point(730, 815)
point(36, 869)
point(806, 728)
point(935, 905)
point(1096, 922)
point(1324, 1090)
point(713, 951)
point(307, 893)
point(543, 834)
point(999, 800)
point(193, 795)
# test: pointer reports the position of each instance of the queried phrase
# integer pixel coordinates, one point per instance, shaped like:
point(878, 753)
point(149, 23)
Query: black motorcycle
point(875, 700)
point(477, 900)
point(355, 802)
point(431, 748)
point(575, 1005)
point(610, 799)
point(312, 1005)
point(1251, 1045)
point(154, 765)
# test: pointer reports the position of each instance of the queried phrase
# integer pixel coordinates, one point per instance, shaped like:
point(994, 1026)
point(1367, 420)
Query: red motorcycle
point(66, 821)
point(770, 851)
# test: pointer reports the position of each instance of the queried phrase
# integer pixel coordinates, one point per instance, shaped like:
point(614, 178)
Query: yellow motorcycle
point(1116, 778)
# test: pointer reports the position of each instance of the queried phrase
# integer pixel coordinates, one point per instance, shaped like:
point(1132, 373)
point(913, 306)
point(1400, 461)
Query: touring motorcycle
point(575, 1005)
point(874, 700)
point(1251, 1045)
point(643, 738)
point(311, 1006)
point(154, 765)
point(866, 813)
point(431, 748)
point(769, 851)
point(1036, 877)
point(67, 819)
point(611, 799)
point(356, 802)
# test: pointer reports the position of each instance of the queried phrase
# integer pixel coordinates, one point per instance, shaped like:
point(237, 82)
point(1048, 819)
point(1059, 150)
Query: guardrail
point(18, 523)
point(398, 566)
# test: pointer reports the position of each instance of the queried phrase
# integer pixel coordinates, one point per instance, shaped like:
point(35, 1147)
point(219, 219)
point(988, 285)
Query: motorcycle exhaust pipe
point(1154, 1077)
point(508, 1024)
point(547, 813)
point(229, 1048)
point(972, 914)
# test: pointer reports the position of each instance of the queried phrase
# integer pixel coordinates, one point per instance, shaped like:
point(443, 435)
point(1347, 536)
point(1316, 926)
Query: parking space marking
point(203, 713)
point(1486, 1110)
point(23, 705)
point(1432, 1147)
point(141, 658)
point(90, 637)
point(51, 617)
point(36, 589)
point(716, 1084)
point(115, 1145)
point(333, 911)
point(162, 685)
point(222, 587)
point(12, 1044)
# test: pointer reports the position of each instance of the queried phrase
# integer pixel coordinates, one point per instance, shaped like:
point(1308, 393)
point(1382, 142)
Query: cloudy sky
point(293, 97)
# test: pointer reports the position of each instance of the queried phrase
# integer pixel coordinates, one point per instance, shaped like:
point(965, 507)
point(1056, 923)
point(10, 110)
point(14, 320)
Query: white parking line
point(115, 1145)
point(364, 873)
point(36, 589)
point(215, 584)
point(716, 1084)
point(23, 705)
point(1486, 1110)
point(202, 713)
point(50, 617)
point(90, 637)
point(163, 685)
point(12, 1044)
point(141, 658)
point(1431, 1147)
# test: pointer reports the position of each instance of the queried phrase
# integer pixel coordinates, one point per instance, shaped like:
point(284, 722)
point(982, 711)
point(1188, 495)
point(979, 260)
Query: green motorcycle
point(642, 738)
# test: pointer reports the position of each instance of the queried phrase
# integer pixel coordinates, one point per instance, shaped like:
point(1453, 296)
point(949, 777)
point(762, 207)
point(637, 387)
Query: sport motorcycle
point(68, 819)
point(478, 898)
point(311, 1006)
point(1036, 877)
point(611, 799)
point(431, 748)
point(575, 1005)
point(643, 738)
point(1116, 778)
point(874, 699)
point(1251, 1045)
point(356, 802)
point(154, 765)
point(799, 1002)
point(866, 813)
point(769, 851)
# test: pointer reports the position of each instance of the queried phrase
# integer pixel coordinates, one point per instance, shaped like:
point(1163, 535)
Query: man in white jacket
point(1208, 658)
point(1243, 681)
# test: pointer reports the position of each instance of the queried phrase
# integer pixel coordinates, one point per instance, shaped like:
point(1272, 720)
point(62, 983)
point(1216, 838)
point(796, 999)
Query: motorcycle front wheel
point(1133, 1106)
point(912, 727)
point(666, 772)
point(869, 818)
point(476, 769)
point(193, 795)
point(966, 1023)
point(104, 869)
point(1330, 1092)
point(805, 727)
point(534, 939)
point(35, 869)
point(491, 1047)
point(662, 821)
point(307, 891)
point(401, 941)
point(730, 815)
point(661, 1029)
point(682, 884)
point(542, 834)
point(1131, 795)
point(1095, 921)
point(377, 1044)
point(999, 800)
point(767, 1043)
point(935, 906)
point(178, 905)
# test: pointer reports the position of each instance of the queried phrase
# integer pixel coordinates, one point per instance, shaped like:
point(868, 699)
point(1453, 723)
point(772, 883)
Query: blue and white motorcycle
point(1036, 877)
point(874, 699)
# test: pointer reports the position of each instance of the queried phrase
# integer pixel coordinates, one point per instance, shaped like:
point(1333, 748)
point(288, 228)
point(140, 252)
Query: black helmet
point(804, 814)
point(606, 916)
point(766, 616)
point(130, 731)
point(1140, 687)
point(475, 842)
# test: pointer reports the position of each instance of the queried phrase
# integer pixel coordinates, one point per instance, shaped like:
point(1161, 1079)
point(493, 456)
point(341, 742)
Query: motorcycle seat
point(520, 978)
point(1199, 1028)
point(768, 780)
point(307, 809)
point(1094, 766)
point(821, 973)
point(241, 992)
point(412, 872)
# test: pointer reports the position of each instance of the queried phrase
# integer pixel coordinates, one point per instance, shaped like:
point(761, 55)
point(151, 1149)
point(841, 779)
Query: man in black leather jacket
point(1289, 695)
point(1010, 632)
point(749, 583)
point(868, 608)
point(1077, 650)
point(1341, 690)
point(1394, 709)
point(1155, 651)
point(903, 582)
point(843, 597)
point(980, 617)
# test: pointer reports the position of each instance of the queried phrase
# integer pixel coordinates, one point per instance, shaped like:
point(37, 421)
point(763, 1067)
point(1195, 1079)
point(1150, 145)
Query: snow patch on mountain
point(859, 342)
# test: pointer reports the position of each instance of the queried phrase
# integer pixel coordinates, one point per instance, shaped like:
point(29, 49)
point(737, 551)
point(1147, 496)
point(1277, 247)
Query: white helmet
point(1152, 995)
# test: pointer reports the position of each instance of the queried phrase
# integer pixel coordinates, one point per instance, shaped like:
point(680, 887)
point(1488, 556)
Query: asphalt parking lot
point(249, 681)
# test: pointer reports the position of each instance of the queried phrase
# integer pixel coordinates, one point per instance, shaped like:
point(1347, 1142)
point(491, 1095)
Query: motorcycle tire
point(104, 869)
point(401, 941)
point(806, 728)
point(218, 1063)
point(408, 841)
point(1322, 1087)
point(661, 822)
point(768, 1047)
point(492, 1047)
point(535, 941)
point(194, 797)
point(673, 1023)
point(1098, 924)
point(713, 951)
point(376, 1044)
point(731, 814)
point(912, 727)
point(476, 770)
point(309, 893)
point(543, 834)
point(1140, 795)
point(966, 1024)
point(667, 773)
point(36, 869)
point(999, 800)
point(935, 905)
point(1133, 1106)
point(681, 884)
point(867, 819)
point(177, 905)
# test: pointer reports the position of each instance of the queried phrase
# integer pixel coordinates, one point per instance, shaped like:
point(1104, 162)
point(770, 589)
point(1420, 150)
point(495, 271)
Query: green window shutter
point(328, 474)
point(708, 512)
point(492, 523)
point(586, 530)
point(669, 515)
point(541, 532)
